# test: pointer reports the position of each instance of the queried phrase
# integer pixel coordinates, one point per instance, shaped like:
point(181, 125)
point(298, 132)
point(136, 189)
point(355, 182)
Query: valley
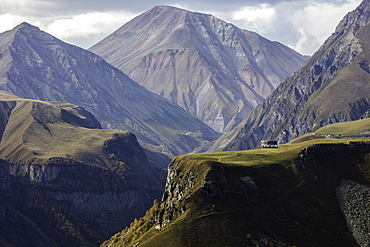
point(152, 136)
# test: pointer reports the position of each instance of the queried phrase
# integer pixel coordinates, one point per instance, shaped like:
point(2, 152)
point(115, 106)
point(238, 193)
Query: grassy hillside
point(65, 181)
point(351, 129)
point(264, 197)
point(37, 131)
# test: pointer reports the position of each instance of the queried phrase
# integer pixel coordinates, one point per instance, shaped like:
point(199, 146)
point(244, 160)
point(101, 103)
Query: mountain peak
point(166, 8)
point(26, 26)
point(214, 70)
point(39, 66)
point(27, 35)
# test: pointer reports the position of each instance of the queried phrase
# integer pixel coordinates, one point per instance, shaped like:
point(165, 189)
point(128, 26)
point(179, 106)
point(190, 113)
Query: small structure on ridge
point(269, 144)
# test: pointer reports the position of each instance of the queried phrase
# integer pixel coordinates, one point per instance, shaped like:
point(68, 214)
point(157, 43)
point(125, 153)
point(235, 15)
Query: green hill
point(351, 129)
point(294, 195)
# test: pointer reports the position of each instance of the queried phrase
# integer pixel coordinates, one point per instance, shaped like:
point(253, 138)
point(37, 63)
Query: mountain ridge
point(214, 70)
point(330, 87)
point(36, 65)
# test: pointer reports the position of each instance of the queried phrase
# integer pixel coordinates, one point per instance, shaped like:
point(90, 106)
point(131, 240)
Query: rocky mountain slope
point(36, 65)
point(311, 192)
point(214, 70)
point(65, 181)
point(330, 87)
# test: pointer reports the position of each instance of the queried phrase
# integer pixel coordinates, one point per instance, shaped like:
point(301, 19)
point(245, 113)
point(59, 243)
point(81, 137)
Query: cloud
point(261, 17)
point(87, 29)
point(87, 24)
point(302, 25)
point(9, 21)
point(13, 13)
point(24, 7)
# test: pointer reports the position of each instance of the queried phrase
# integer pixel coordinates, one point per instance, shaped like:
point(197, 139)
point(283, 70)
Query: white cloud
point(24, 7)
point(306, 42)
point(259, 18)
point(87, 24)
point(302, 25)
point(9, 21)
point(12, 13)
point(318, 20)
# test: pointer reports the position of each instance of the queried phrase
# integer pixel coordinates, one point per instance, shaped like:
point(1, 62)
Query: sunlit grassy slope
point(288, 207)
point(37, 131)
point(344, 132)
point(352, 129)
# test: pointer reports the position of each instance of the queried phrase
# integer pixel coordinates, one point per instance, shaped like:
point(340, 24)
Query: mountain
point(36, 65)
point(214, 70)
point(332, 86)
point(65, 181)
point(310, 192)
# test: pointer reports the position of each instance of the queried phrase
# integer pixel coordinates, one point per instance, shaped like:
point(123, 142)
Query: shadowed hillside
point(65, 181)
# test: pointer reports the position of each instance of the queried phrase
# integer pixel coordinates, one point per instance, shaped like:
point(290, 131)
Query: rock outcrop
point(214, 70)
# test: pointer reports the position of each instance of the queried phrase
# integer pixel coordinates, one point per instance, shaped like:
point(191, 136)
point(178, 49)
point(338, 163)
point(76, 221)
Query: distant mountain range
point(332, 86)
point(214, 70)
point(36, 65)
point(65, 181)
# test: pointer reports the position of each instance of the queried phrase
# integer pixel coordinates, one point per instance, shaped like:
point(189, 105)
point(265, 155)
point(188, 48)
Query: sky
point(301, 25)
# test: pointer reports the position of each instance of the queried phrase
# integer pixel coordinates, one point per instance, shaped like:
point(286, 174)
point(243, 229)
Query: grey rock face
point(290, 112)
point(108, 207)
point(214, 70)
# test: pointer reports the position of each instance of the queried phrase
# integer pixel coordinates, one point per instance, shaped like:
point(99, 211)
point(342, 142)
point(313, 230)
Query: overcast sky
point(302, 25)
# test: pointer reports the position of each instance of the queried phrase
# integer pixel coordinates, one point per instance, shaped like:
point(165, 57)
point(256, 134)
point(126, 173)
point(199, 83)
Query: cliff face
point(36, 65)
point(330, 87)
point(214, 70)
point(303, 200)
point(65, 182)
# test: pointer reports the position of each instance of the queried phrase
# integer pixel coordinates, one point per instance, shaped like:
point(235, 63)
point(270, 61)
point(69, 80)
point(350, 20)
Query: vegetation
point(353, 129)
point(287, 207)
point(346, 128)
point(61, 176)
